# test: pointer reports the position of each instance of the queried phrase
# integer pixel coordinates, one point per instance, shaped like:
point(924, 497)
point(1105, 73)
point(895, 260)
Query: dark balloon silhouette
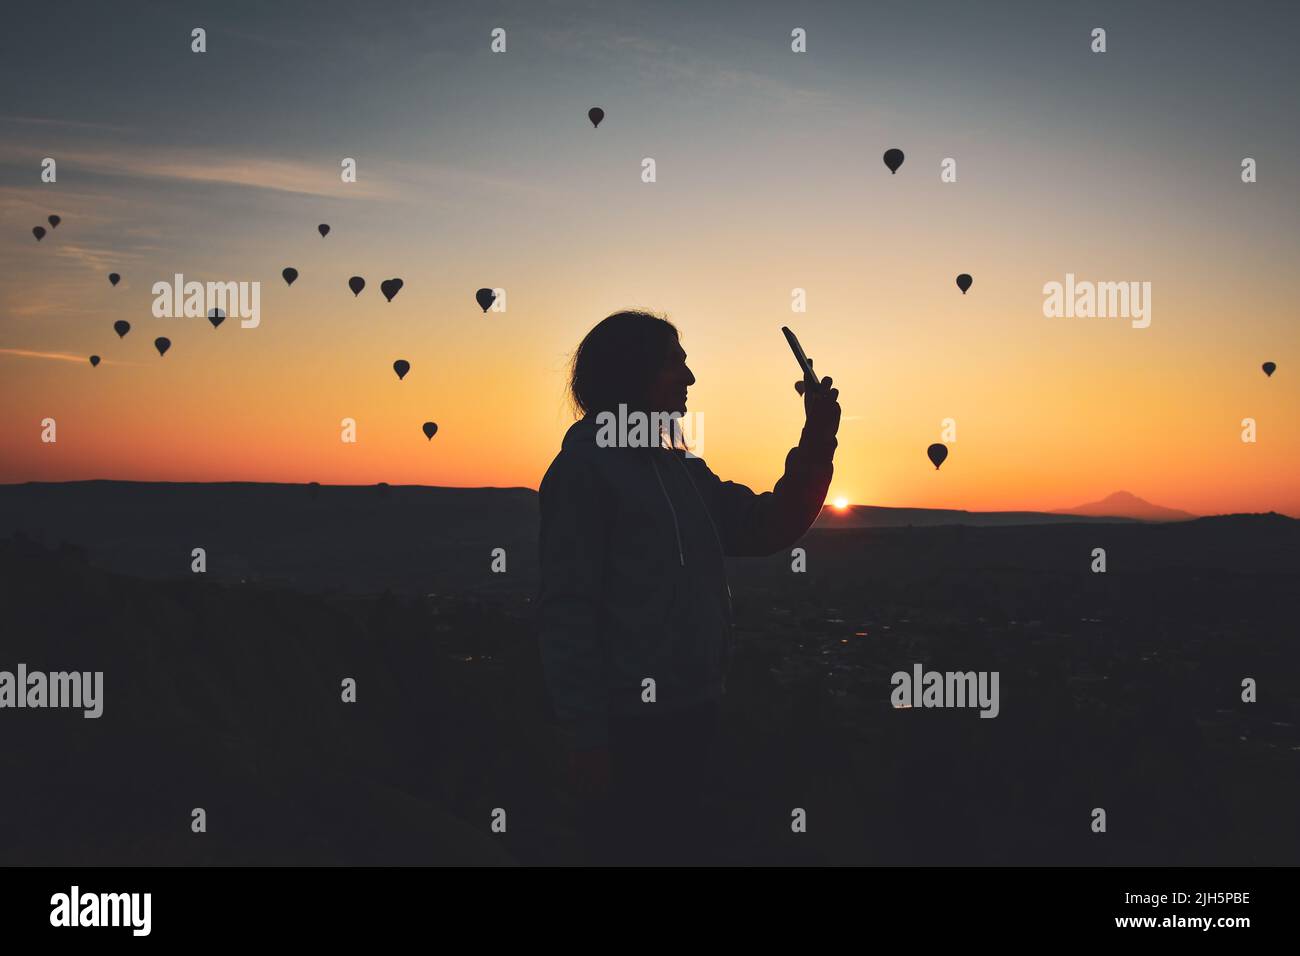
point(121, 327)
point(595, 114)
point(1269, 368)
point(216, 317)
point(937, 454)
point(162, 344)
point(401, 367)
point(390, 288)
point(485, 298)
point(893, 159)
point(38, 232)
point(356, 284)
point(964, 282)
point(94, 361)
point(323, 229)
point(430, 429)
point(114, 278)
point(54, 222)
point(289, 275)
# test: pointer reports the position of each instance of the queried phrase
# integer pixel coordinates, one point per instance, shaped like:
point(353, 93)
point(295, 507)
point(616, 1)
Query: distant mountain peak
point(1125, 504)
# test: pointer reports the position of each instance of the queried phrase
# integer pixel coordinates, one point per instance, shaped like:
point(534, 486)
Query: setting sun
point(840, 503)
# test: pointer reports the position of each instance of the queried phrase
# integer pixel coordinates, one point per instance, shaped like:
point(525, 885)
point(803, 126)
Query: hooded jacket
point(633, 581)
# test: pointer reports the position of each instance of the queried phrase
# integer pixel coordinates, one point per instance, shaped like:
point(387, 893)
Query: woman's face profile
point(668, 390)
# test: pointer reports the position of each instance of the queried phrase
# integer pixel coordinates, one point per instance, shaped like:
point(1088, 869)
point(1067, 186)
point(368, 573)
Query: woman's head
point(634, 359)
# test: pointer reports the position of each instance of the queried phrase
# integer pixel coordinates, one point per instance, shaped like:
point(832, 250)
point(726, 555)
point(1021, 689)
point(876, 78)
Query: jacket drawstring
point(681, 555)
point(708, 514)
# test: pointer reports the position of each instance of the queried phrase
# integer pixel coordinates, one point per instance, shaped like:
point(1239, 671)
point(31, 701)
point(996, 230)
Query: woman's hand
point(821, 407)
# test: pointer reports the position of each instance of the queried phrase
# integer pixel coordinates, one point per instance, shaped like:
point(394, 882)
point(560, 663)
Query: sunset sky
point(480, 169)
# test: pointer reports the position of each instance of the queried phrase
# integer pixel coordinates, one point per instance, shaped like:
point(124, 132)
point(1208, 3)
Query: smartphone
point(809, 376)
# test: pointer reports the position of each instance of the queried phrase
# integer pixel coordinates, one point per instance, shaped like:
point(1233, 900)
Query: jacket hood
point(581, 432)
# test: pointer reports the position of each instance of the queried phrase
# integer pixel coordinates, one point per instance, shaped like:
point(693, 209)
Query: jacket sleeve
point(753, 525)
point(572, 541)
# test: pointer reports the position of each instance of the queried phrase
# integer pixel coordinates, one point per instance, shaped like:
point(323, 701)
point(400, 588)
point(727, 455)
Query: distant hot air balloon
point(430, 429)
point(114, 278)
point(289, 274)
point(1269, 368)
point(401, 367)
point(595, 114)
point(485, 298)
point(323, 229)
point(216, 317)
point(937, 453)
point(390, 288)
point(121, 327)
point(162, 344)
point(963, 282)
point(38, 232)
point(94, 361)
point(356, 284)
point(893, 159)
point(54, 222)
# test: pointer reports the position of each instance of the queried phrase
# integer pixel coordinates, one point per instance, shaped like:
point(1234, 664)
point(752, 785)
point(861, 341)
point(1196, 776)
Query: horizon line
point(826, 506)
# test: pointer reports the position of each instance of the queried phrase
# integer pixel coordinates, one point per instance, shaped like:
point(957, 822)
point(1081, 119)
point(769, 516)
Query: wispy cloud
point(65, 124)
point(60, 357)
point(450, 180)
point(282, 175)
point(102, 261)
point(665, 62)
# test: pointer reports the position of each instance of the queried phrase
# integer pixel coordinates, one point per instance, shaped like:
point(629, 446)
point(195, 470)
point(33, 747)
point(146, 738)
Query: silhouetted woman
point(635, 612)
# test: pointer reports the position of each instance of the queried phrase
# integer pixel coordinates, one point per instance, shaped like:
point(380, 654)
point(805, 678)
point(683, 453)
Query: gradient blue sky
point(478, 169)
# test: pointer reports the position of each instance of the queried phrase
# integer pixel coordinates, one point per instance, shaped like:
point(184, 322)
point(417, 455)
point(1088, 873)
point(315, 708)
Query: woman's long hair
point(617, 362)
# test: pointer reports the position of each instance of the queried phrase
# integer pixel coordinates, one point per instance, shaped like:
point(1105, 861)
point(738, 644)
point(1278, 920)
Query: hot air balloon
point(893, 159)
point(38, 232)
point(937, 453)
point(1269, 368)
point(401, 367)
point(54, 222)
point(485, 298)
point(323, 229)
point(94, 361)
point(162, 344)
point(289, 274)
point(121, 327)
point(963, 282)
point(390, 288)
point(216, 317)
point(595, 114)
point(114, 278)
point(356, 284)
point(430, 429)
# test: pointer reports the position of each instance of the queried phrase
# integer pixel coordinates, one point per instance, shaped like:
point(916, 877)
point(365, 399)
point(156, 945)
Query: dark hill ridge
point(359, 538)
point(871, 516)
point(413, 539)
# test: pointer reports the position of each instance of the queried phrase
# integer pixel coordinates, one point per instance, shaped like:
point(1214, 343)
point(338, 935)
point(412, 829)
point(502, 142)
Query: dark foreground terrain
point(222, 690)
